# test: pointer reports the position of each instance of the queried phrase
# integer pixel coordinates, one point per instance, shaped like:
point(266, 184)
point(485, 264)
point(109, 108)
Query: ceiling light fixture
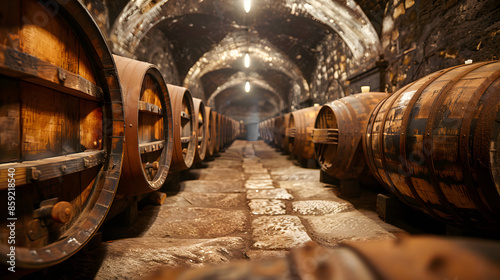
point(247, 5)
point(247, 60)
point(247, 87)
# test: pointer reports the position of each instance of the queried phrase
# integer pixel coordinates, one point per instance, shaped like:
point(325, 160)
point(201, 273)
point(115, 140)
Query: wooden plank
point(151, 91)
point(145, 107)
point(48, 36)
point(70, 124)
point(151, 147)
point(49, 168)
point(10, 130)
point(291, 132)
point(32, 69)
point(325, 136)
point(41, 127)
point(85, 67)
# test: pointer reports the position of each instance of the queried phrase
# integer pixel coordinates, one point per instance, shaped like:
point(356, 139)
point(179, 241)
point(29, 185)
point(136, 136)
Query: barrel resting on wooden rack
point(299, 132)
point(148, 127)
point(435, 144)
point(61, 142)
point(337, 137)
point(184, 128)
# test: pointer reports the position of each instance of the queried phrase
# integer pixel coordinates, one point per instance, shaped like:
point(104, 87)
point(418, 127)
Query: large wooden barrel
point(435, 144)
point(201, 123)
point(216, 131)
point(61, 136)
point(338, 133)
point(285, 145)
point(299, 132)
point(277, 131)
point(184, 128)
point(222, 131)
point(210, 131)
point(148, 127)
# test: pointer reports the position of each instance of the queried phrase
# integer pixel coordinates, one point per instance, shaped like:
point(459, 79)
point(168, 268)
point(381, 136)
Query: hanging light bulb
point(247, 87)
point(247, 5)
point(247, 60)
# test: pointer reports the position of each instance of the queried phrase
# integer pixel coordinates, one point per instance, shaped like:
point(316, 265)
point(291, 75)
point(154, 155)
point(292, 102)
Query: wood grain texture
point(10, 129)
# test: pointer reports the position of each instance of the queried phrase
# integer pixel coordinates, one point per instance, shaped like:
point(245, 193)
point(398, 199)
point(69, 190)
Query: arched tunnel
point(336, 122)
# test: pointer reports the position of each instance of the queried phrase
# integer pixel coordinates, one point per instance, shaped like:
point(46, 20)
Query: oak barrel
point(61, 137)
point(222, 131)
point(148, 127)
point(184, 128)
point(285, 145)
point(278, 131)
point(216, 131)
point(434, 144)
point(210, 131)
point(338, 132)
point(299, 132)
point(201, 123)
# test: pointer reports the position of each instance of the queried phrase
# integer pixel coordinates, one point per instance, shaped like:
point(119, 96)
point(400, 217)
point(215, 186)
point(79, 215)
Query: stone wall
point(421, 37)
point(418, 37)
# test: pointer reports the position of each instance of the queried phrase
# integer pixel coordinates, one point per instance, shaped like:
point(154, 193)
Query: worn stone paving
point(251, 202)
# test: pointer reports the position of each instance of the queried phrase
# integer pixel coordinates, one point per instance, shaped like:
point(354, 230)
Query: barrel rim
point(96, 208)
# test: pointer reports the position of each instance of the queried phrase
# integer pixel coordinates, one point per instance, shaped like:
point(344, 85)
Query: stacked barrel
point(434, 144)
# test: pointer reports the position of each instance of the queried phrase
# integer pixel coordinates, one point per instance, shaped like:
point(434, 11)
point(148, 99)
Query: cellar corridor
point(250, 139)
point(251, 202)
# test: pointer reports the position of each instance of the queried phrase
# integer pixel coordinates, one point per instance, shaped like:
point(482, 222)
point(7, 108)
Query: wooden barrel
point(148, 127)
point(226, 133)
point(270, 131)
point(277, 131)
point(209, 131)
point(184, 128)
point(61, 136)
point(285, 145)
point(201, 123)
point(435, 142)
point(299, 132)
point(216, 131)
point(338, 132)
point(222, 131)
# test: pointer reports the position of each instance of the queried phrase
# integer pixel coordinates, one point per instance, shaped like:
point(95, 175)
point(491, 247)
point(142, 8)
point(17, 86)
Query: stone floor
point(251, 202)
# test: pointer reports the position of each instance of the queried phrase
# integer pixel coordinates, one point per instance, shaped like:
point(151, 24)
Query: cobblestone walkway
point(251, 202)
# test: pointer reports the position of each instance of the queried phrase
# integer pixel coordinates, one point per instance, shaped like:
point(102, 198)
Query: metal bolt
point(62, 75)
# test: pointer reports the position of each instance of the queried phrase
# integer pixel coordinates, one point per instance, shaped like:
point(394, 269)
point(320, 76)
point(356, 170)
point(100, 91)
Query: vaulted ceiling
point(208, 40)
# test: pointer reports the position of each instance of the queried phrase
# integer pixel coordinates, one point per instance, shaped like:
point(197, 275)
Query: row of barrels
point(434, 144)
point(80, 128)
